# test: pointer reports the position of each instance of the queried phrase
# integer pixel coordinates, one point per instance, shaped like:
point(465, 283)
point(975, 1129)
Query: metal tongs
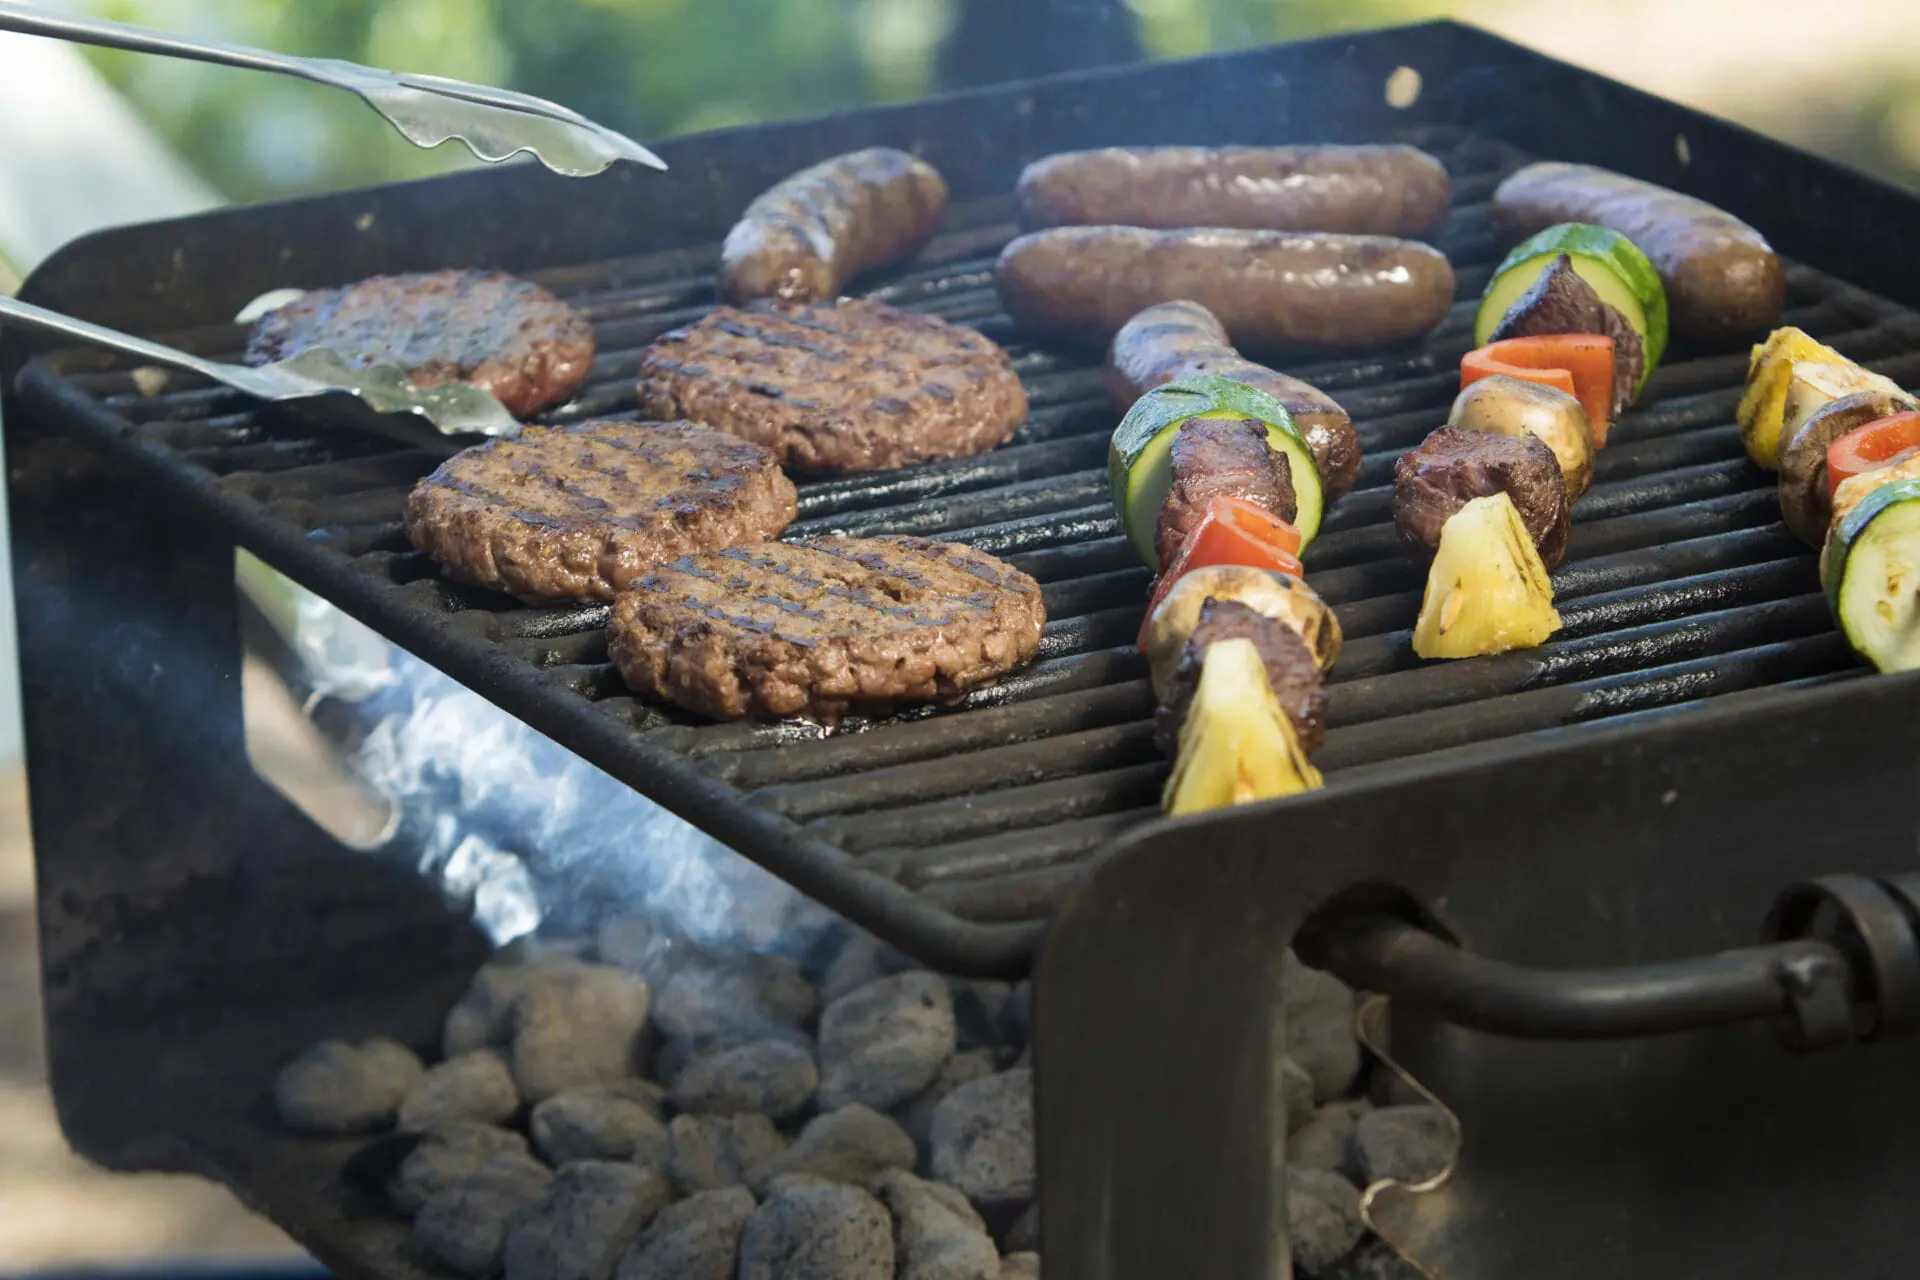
point(496, 124)
point(380, 398)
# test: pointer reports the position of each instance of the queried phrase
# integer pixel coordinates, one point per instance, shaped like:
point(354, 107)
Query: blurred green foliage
point(649, 67)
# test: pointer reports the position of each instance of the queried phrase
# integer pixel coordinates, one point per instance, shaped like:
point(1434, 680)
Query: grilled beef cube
point(1453, 467)
point(1561, 302)
point(1215, 457)
point(1292, 673)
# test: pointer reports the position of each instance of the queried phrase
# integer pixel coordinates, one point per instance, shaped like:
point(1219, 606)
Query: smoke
point(528, 837)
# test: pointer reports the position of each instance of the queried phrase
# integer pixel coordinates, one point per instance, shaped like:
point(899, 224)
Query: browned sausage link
point(1722, 278)
point(1379, 190)
point(1268, 288)
point(1181, 339)
point(806, 236)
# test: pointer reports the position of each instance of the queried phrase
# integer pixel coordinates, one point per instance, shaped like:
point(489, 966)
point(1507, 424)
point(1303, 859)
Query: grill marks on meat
point(1561, 302)
point(577, 512)
point(504, 335)
point(1292, 674)
point(1452, 467)
point(813, 628)
point(1221, 457)
point(852, 386)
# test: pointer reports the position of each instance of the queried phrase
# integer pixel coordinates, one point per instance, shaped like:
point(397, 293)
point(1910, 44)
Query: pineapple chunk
point(1815, 384)
point(1237, 745)
point(1763, 405)
point(1487, 591)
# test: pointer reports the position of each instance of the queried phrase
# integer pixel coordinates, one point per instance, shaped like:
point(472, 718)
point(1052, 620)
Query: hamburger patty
point(505, 335)
point(812, 628)
point(576, 512)
point(848, 386)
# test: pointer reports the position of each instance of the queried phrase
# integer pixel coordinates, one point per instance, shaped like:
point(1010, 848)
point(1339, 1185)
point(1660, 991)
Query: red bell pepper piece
point(1580, 364)
point(1231, 531)
point(1880, 443)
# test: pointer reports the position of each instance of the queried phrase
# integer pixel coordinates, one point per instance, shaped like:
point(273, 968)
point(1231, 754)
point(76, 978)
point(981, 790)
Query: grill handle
point(1858, 980)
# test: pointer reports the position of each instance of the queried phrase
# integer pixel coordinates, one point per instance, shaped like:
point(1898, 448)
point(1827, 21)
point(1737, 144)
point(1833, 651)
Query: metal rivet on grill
point(1875, 933)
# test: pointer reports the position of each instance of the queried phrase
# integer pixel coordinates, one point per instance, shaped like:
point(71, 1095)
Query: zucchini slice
point(1613, 265)
point(1873, 576)
point(1140, 458)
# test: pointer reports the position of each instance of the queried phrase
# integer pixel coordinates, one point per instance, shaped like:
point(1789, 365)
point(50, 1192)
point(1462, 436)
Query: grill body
point(197, 929)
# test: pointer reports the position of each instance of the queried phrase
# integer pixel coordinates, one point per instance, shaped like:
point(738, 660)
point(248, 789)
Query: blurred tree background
point(661, 67)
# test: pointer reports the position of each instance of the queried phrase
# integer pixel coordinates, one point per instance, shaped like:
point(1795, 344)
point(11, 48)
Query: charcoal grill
point(1696, 740)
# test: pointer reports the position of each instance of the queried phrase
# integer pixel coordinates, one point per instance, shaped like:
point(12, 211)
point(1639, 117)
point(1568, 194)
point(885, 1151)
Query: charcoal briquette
point(774, 1077)
point(852, 1145)
point(1323, 1218)
point(696, 1239)
point(883, 1043)
point(336, 1088)
point(464, 1227)
point(474, 1086)
point(1406, 1144)
point(584, 1220)
point(818, 1231)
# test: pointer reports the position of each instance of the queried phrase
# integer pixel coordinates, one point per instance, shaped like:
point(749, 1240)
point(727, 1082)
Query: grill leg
point(196, 929)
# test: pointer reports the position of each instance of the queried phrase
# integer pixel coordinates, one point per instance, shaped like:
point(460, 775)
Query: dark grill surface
point(1681, 585)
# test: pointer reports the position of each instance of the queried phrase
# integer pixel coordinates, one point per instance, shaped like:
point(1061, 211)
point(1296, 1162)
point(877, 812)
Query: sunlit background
point(94, 138)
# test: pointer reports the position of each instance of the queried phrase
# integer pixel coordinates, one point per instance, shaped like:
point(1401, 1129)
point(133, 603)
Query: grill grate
point(1681, 584)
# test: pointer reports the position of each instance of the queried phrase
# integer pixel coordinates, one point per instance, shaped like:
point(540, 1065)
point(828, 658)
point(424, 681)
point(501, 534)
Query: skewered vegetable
point(1508, 406)
point(1853, 491)
point(1806, 501)
point(1762, 410)
point(1878, 444)
point(1237, 746)
point(1580, 364)
point(1139, 460)
point(1270, 594)
point(1487, 591)
point(1297, 682)
point(1872, 575)
point(1610, 263)
point(1232, 532)
point(1560, 302)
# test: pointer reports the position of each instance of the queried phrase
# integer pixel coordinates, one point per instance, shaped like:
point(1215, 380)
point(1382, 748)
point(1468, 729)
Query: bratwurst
point(1378, 190)
point(1268, 288)
point(1723, 279)
point(1183, 339)
point(806, 236)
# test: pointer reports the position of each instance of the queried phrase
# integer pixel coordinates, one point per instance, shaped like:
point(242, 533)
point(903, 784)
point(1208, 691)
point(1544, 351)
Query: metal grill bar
point(1680, 585)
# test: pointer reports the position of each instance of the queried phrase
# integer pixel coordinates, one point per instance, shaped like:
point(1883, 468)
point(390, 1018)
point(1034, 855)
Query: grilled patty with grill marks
point(813, 628)
point(503, 334)
point(577, 512)
point(852, 386)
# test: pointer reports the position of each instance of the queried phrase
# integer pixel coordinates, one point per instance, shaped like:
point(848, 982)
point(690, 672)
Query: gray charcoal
point(863, 959)
point(1297, 1087)
point(884, 1042)
point(1024, 1235)
point(776, 1077)
point(817, 1231)
point(601, 1122)
point(1319, 1013)
point(1323, 1218)
point(484, 1016)
point(1375, 1259)
point(464, 1227)
point(707, 1153)
point(575, 1026)
point(448, 1155)
point(696, 1239)
point(340, 1088)
point(755, 998)
point(1020, 1266)
point(633, 941)
point(983, 1143)
point(1405, 1144)
point(854, 1144)
point(474, 1086)
point(1326, 1141)
point(588, 1215)
point(916, 1114)
point(937, 1233)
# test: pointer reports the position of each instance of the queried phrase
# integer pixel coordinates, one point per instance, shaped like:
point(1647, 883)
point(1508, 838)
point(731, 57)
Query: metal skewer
point(377, 397)
point(495, 124)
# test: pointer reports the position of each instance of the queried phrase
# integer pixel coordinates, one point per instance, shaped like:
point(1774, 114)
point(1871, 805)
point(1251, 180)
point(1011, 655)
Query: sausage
point(1268, 288)
point(1181, 339)
point(1723, 280)
point(804, 237)
point(1375, 190)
